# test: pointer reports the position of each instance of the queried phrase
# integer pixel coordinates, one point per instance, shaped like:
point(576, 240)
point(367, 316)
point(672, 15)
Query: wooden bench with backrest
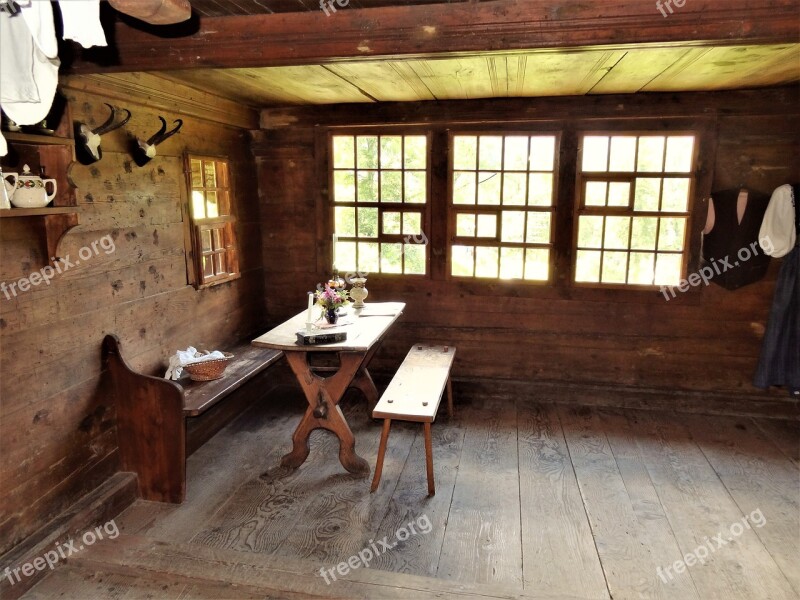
point(153, 415)
point(414, 395)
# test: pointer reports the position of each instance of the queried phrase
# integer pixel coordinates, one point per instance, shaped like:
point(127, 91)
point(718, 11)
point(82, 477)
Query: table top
point(364, 327)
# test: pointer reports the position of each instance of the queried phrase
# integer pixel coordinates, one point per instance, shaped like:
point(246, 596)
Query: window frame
point(425, 208)
point(579, 208)
point(535, 130)
point(566, 169)
point(194, 228)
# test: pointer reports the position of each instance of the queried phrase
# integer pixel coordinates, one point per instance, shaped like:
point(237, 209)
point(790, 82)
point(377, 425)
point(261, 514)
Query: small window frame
point(223, 245)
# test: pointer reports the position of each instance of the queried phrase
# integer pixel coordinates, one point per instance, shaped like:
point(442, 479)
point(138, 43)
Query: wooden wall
point(706, 341)
point(57, 434)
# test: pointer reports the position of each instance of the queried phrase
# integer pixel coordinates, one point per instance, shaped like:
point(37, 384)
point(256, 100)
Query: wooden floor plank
point(419, 555)
point(265, 508)
point(340, 516)
point(483, 539)
point(784, 434)
point(123, 583)
point(239, 452)
point(653, 521)
point(699, 508)
point(621, 540)
point(762, 481)
point(559, 555)
point(153, 558)
point(264, 512)
point(533, 501)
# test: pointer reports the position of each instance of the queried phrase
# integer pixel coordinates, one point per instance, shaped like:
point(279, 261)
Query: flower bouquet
point(331, 299)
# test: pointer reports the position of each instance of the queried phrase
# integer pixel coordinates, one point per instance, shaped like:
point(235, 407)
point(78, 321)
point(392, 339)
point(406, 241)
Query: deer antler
point(145, 151)
point(89, 150)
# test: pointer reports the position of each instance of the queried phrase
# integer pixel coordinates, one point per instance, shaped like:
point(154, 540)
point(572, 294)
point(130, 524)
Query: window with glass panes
point(213, 235)
point(501, 214)
point(380, 193)
point(633, 208)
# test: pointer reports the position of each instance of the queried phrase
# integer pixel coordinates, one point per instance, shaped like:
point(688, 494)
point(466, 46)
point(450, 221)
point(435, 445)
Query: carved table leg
point(300, 447)
point(323, 396)
point(363, 380)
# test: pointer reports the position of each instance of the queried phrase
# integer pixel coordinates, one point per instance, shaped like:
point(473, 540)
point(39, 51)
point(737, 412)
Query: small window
point(501, 206)
point(633, 199)
point(380, 203)
point(212, 224)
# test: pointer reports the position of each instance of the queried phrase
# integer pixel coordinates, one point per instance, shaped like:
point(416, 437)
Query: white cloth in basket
point(187, 357)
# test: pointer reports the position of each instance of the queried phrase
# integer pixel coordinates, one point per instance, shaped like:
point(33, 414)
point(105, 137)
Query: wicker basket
point(208, 370)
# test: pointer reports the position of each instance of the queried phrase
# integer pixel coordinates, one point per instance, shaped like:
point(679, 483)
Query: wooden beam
point(777, 101)
point(467, 28)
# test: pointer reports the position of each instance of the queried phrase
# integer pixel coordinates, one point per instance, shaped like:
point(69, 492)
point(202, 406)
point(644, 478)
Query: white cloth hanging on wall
point(29, 62)
point(29, 55)
point(778, 225)
point(81, 20)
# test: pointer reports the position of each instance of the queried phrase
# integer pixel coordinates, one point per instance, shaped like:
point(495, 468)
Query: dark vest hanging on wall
point(728, 237)
point(796, 196)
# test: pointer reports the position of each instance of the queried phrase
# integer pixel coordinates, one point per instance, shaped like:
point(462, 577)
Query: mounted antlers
point(143, 152)
point(88, 149)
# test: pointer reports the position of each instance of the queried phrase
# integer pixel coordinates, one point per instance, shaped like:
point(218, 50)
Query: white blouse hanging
point(778, 228)
point(29, 55)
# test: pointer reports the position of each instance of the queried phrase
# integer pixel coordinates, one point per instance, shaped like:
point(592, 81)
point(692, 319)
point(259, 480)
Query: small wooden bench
point(153, 414)
point(414, 395)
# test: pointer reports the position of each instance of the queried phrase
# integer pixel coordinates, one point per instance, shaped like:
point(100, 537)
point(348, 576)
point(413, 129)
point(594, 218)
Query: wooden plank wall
point(57, 434)
point(706, 341)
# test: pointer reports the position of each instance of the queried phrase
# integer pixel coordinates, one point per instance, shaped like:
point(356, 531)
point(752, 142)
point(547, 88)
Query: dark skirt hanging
point(779, 363)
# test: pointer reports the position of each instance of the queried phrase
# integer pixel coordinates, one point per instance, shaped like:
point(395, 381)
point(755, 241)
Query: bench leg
point(387, 423)
point(429, 459)
point(449, 398)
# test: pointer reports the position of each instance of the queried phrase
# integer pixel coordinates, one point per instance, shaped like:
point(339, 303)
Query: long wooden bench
point(414, 394)
point(152, 414)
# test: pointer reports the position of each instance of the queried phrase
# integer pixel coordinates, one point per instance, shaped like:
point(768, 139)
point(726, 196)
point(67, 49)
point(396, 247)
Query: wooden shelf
point(32, 138)
point(55, 153)
point(55, 222)
point(36, 212)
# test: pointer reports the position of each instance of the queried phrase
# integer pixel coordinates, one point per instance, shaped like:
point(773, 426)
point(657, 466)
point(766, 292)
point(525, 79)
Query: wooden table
point(323, 394)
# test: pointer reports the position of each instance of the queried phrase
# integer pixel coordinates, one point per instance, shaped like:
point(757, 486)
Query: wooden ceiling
point(512, 74)
point(428, 50)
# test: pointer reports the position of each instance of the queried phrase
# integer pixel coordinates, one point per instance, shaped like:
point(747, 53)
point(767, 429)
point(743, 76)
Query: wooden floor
point(535, 501)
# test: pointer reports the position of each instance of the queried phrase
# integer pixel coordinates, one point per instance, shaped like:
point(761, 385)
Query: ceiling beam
point(467, 28)
point(784, 100)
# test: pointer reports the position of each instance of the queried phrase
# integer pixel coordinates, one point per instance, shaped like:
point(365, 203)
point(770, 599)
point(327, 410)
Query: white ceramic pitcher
point(7, 189)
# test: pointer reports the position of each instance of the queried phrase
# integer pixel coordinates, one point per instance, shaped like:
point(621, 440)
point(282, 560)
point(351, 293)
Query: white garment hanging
point(778, 226)
point(28, 63)
point(81, 20)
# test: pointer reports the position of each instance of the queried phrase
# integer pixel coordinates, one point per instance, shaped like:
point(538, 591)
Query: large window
point(501, 214)
point(213, 237)
point(380, 193)
point(492, 215)
point(633, 208)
